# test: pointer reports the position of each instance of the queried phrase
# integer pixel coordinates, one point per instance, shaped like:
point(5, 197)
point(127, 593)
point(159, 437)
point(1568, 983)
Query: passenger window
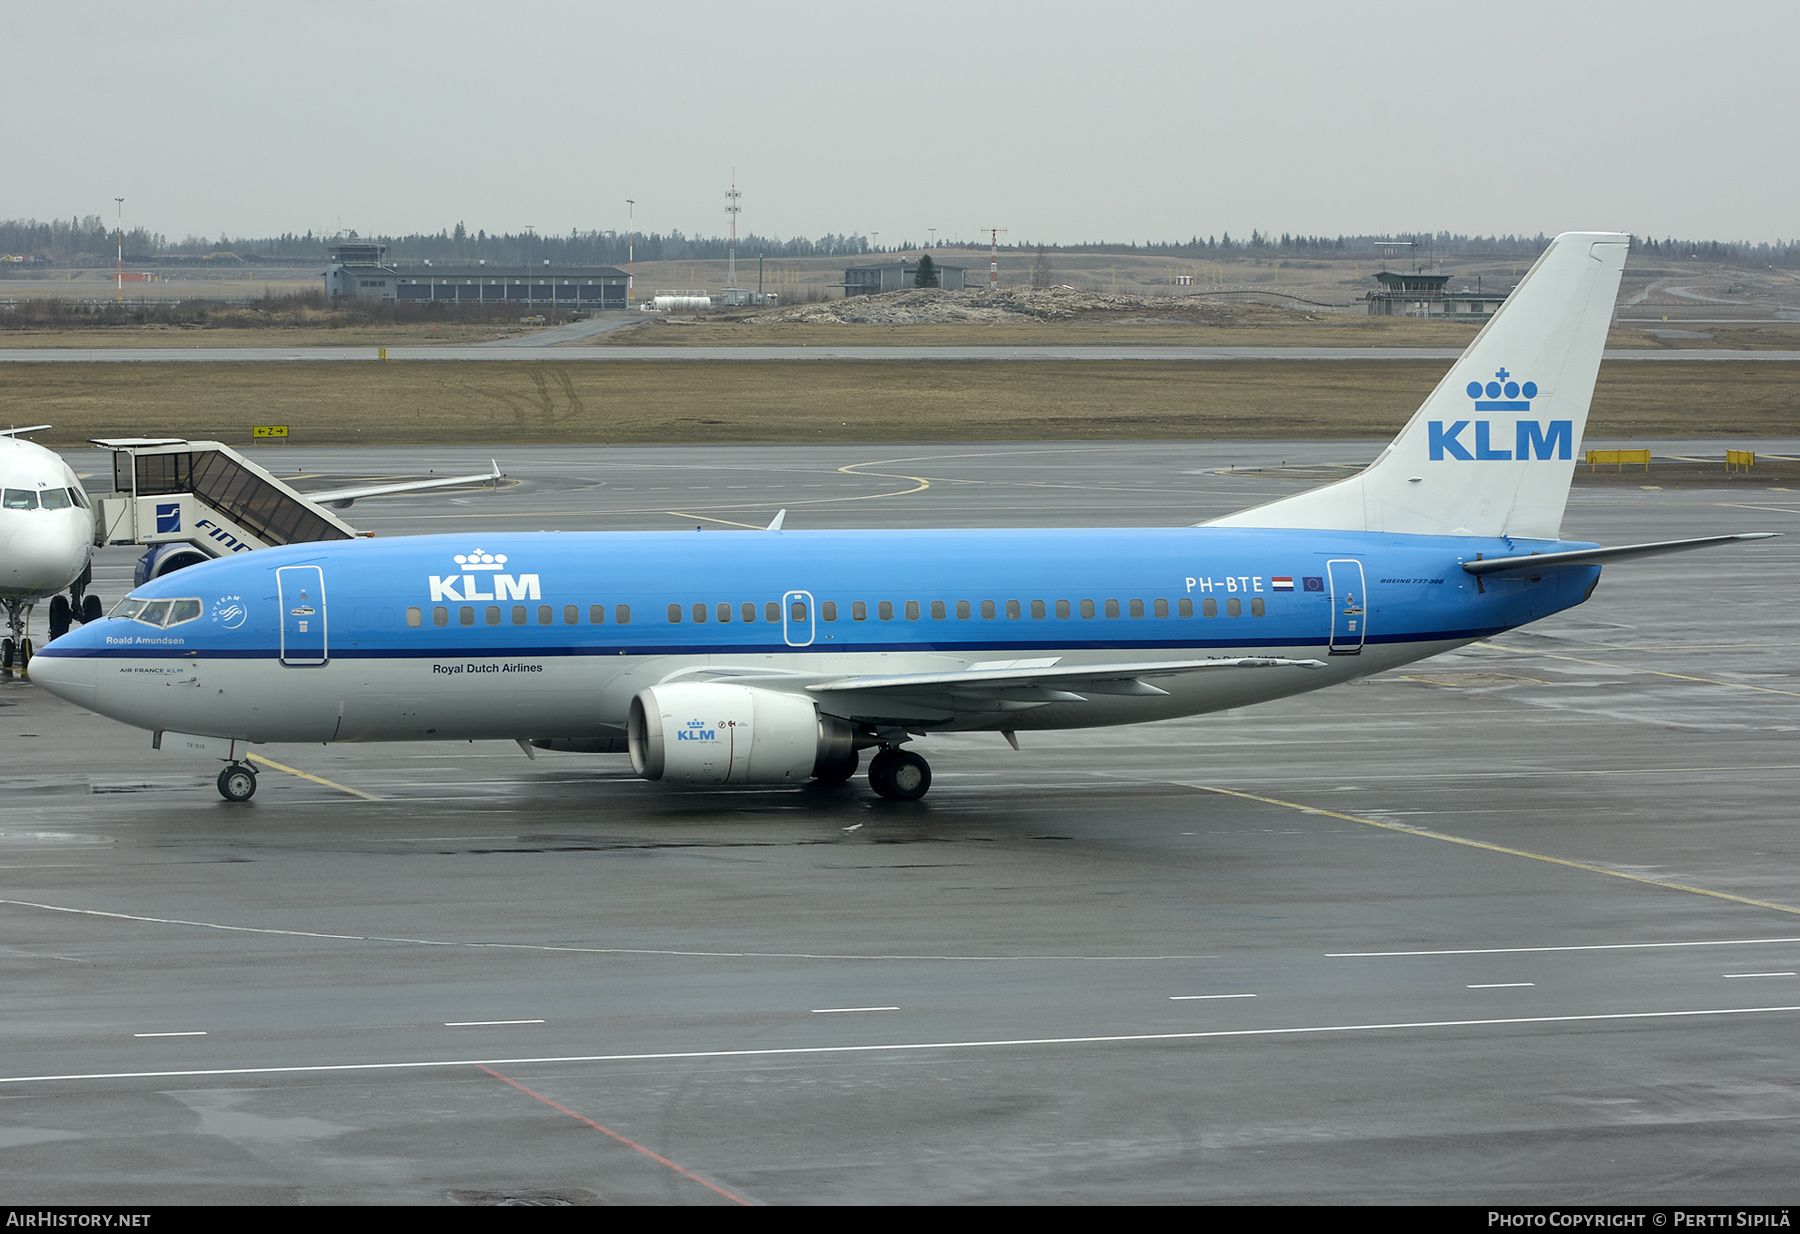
point(1161, 608)
point(1256, 606)
point(1137, 608)
point(1062, 609)
point(1209, 607)
point(912, 610)
point(415, 617)
point(55, 498)
point(987, 610)
point(596, 614)
point(20, 499)
point(885, 610)
point(622, 614)
point(1012, 610)
point(700, 613)
point(1112, 608)
point(772, 612)
point(674, 614)
point(546, 615)
point(466, 615)
point(1087, 608)
point(493, 614)
point(440, 616)
point(1186, 608)
point(1234, 607)
point(859, 611)
point(937, 610)
point(724, 612)
point(797, 611)
point(962, 610)
point(828, 610)
point(748, 612)
point(1037, 609)
point(519, 614)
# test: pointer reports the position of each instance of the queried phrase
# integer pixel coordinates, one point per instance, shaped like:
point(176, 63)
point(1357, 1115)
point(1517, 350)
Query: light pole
point(630, 249)
point(529, 237)
point(121, 202)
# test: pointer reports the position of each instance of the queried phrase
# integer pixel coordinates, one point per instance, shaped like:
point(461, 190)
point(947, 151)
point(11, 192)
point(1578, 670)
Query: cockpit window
point(54, 498)
point(20, 499)
point(159, 613)
point(79, 497)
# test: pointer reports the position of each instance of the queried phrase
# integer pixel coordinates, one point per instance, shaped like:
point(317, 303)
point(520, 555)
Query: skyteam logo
point(480, 568)
point(1531, 439)
point(230, 611)
point(696, 730)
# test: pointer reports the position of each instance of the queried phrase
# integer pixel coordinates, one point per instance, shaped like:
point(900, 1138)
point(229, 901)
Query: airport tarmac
point(560, 353)
point(1516, 925)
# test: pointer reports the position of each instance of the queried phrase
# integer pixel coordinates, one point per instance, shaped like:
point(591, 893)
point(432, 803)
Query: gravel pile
point(927, 305)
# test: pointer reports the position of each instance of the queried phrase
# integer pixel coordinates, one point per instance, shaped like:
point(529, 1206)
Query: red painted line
point(710, 1186)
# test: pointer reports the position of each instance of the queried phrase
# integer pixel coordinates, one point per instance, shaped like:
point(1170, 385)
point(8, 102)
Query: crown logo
point(696, 723)
point(479, 560)
point(1503, 393)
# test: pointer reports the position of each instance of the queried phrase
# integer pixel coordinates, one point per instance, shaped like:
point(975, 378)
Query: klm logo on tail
point(1530, 438)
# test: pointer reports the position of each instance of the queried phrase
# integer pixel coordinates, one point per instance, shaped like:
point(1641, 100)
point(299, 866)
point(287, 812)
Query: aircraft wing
point(340, 498)
point(1020, 685)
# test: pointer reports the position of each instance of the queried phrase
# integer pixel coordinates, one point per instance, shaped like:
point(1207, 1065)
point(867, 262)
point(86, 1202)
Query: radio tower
point(732, 210)
point(993, 256)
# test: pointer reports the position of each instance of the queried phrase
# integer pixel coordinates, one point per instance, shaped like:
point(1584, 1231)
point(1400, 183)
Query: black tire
point(6, 653)
point(899, 775)
point(25, 650)
point(61, 617)
point(91, 609)
point(838, 772)
point(237, 783)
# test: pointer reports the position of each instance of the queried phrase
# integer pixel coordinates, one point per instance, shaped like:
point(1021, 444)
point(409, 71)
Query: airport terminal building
point(361, 272)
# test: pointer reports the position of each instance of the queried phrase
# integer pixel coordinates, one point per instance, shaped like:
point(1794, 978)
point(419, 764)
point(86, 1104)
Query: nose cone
point(64, 672)
point(39, 555)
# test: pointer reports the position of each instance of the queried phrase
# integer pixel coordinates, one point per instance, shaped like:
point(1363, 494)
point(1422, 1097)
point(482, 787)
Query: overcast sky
point(1061, 122)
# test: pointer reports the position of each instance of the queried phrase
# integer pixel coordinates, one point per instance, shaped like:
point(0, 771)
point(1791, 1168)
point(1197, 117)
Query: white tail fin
point(1491, 451)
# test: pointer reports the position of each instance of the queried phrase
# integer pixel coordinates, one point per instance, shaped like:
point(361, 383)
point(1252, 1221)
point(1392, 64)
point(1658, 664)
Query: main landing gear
point(899, 775)
point(78, 606)
point(237, 782)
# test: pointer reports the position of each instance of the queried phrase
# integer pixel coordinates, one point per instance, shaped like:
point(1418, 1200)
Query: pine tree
point(927, 275)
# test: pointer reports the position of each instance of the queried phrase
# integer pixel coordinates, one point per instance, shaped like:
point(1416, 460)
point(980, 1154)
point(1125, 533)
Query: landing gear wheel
point(61, 616)
point(25, 650)
point(838, 772)
point(91, 610)
point(899, 775)
point(6, 653)
point(237, 782)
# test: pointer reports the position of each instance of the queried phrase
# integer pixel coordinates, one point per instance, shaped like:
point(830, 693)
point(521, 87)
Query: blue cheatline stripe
point(1016, 649)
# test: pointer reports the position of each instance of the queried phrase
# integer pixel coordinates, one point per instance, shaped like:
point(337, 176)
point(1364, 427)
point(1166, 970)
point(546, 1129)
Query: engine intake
point(711, 733)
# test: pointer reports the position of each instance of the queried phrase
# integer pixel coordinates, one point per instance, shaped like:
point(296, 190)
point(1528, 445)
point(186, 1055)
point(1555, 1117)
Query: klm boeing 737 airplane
point(773, 657)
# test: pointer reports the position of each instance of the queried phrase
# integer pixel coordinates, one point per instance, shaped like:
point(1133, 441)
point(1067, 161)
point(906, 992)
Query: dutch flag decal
point(1282, 584)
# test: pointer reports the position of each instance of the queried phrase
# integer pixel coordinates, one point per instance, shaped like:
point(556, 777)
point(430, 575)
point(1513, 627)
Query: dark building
point(1423, 295)
point(898, 276)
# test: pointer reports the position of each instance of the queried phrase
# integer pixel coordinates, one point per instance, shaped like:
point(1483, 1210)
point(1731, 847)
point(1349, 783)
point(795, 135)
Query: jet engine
point(712, 733)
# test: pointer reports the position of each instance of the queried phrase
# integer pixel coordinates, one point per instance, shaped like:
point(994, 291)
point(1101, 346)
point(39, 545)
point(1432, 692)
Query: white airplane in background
point(46, 542)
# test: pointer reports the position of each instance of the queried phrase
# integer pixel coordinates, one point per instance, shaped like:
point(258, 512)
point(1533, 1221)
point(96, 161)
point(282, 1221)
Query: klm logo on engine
point(483, 568)
point(696, 730)
point(1530, 438)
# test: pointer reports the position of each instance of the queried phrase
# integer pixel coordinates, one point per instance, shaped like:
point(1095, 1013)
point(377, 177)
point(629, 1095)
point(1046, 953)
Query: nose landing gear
point(15, 650)
point(237, 782)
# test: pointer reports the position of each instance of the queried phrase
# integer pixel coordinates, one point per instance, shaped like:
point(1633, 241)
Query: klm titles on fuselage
point(506, 586)
point(1530, 438)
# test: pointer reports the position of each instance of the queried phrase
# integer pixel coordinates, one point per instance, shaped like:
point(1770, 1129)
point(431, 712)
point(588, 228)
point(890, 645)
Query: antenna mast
point(732, 209)
point(993, 256)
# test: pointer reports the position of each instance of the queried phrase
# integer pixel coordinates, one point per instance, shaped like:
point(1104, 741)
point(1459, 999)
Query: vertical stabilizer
point(1492, 450)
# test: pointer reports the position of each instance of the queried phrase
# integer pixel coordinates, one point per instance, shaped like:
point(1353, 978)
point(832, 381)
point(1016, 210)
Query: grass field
point(436, 402)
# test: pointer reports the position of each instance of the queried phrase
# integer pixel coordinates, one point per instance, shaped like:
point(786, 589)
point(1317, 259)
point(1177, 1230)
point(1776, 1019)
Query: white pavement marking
point(484, 1023)
point(1761, 974)
point(1188, 998)
point(1704, 942)
point(843, 1010)
point(1504, 985)
point(187, 1034)
point(906, 1046)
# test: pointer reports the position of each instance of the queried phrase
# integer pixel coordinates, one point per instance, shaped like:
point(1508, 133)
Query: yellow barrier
point(1740, 460)
point(1619, 458)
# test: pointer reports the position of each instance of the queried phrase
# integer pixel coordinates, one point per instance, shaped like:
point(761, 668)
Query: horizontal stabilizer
point(340, 498)
point(1534, 562)
point(29, 428)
